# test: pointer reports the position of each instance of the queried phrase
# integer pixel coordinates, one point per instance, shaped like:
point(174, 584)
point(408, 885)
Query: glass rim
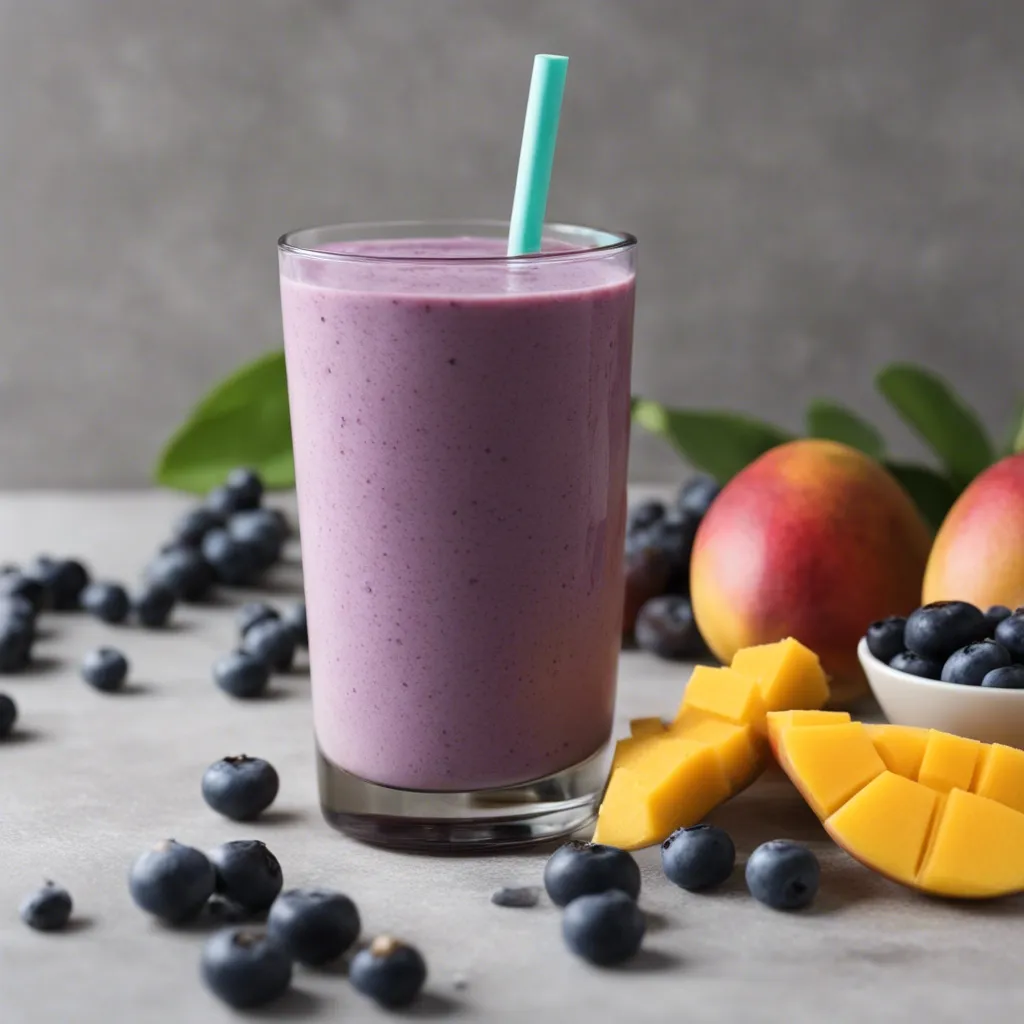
point(288, 242)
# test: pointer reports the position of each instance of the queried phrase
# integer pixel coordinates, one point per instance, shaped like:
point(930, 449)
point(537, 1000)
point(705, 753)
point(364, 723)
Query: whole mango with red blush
point(978, 554)
point(812, 540)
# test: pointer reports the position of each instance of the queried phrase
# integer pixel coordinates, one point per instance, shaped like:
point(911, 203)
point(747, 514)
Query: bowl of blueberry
point(950, 666)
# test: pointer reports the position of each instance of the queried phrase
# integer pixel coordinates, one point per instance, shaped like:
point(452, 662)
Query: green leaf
point(243, 421)
point(718, 443)
point(942, 419)
point(1015, 436)
point(1018, 444)
point(834, 422)
point(933, 493)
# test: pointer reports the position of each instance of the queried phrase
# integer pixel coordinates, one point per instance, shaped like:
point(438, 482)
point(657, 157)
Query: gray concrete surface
point(819, 186)
point(92, 780)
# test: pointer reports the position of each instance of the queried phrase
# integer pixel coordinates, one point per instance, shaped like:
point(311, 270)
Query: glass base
point(479, 821)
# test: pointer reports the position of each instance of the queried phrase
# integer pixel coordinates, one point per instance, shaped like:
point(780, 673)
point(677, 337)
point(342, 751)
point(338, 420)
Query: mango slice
point(778, 721)
point(667, 778)
point(930, 810)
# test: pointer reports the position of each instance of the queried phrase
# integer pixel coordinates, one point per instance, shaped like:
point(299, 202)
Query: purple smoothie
point(460, 435)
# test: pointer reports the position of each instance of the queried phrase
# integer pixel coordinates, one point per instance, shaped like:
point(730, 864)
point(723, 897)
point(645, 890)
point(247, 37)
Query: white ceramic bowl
point(989, 715)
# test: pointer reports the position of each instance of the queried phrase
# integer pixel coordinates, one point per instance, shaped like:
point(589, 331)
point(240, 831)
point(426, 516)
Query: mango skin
point(812, 540)
point(979, 550)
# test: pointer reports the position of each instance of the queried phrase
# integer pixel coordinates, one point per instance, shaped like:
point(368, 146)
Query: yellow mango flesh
point(944, 814)
point(788, 674)
point(663, 779)
point(778, 721)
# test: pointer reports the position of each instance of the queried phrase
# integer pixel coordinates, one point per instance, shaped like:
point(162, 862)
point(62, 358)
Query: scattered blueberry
point(579, 869)
point(107, 601)
point(233, 562)
point(647, 571)
point(240, 788)
point(195, 524)
point(63, 580)
point(17, 584)
point(996, 614)
point(18, 609)
point(273, 642)
point(16, 636)
point(245, 486)
point(247, 873)
point(674, 536)
point(938, 629)
point(885, 637)
point(261, 532)
point(295, 618)
point(699, 857)
point(1010, 633)
point(221, 501)
point(172, 881)
point(47, 909)
point(241, 674)
point(783, 875)
point(1010, 677)
point(915, 665)
point(522, 896)
point(184, 572)
point(154, 604)
point(221, 911)
point(697, 494)
point(245, 968)
point(315, 926)
point(8, 715)
point(389, 971)
point(252, 614)
point(665, 626)
point(105, 669)
point(604, 928)
point(646, 514)
point(972, 663)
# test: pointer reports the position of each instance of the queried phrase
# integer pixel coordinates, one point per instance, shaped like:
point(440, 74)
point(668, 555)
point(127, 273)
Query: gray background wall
point(818, 186)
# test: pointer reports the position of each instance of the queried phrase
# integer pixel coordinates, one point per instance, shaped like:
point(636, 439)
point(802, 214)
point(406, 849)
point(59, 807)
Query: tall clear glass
point(460, 423)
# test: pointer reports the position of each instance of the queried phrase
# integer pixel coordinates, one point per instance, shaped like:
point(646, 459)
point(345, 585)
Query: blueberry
point(16, 638)
point(1010, 633)
point(273, 642)
point(241, 674)
point(389, 971)
point(240, 788)
point(604, 928)
point(315, 926)
point(234, 563)
point(252, 614)
point(579, 869)
point(154, 604)
point(674, 536)
point(8, 715)
point(184, 572)
point(972, 663)
point(172, 881)
point(996, 614)
point(17, 584)
point(245, 968)
point(19, 610)
point(665, 626)
point(1010, 677)
point(246, 486)
point(222, 501)
point(648, 570)
point(699, 857)
point(105, 669)
point(260, 530)
point(644, 515)
point(938, 629)
point(47, 909)
point(195, 524)
point(295, 618)
point(517, 896)
point(915, 665)
point(247, 873)
point(885, 637)
point(63, 580)
point(697, 494)
point(783, 875)
point(107, 601)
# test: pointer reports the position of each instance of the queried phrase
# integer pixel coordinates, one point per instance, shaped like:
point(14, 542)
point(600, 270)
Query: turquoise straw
point(540, 131)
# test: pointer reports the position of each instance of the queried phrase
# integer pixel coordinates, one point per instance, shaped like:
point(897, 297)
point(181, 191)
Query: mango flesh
point(933, 811)
point(978, 554)
point(812, 540)
point(664, 778)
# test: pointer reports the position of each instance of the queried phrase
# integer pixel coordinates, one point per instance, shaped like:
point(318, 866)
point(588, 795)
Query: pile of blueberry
point(954, 642)
point(268, 641)
point(599, 885)
point(659, 541)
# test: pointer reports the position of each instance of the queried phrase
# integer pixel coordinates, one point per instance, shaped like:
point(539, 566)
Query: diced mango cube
point(738, 747)
point(641, 727)
point(725, 693)
point(949, 761)
point(788, 674)
point(1000, 776)
point(901, 747)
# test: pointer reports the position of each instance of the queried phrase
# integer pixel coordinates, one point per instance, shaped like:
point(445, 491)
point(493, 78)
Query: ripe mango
point(929, 810)
point(979, 550)
point(813, 540)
